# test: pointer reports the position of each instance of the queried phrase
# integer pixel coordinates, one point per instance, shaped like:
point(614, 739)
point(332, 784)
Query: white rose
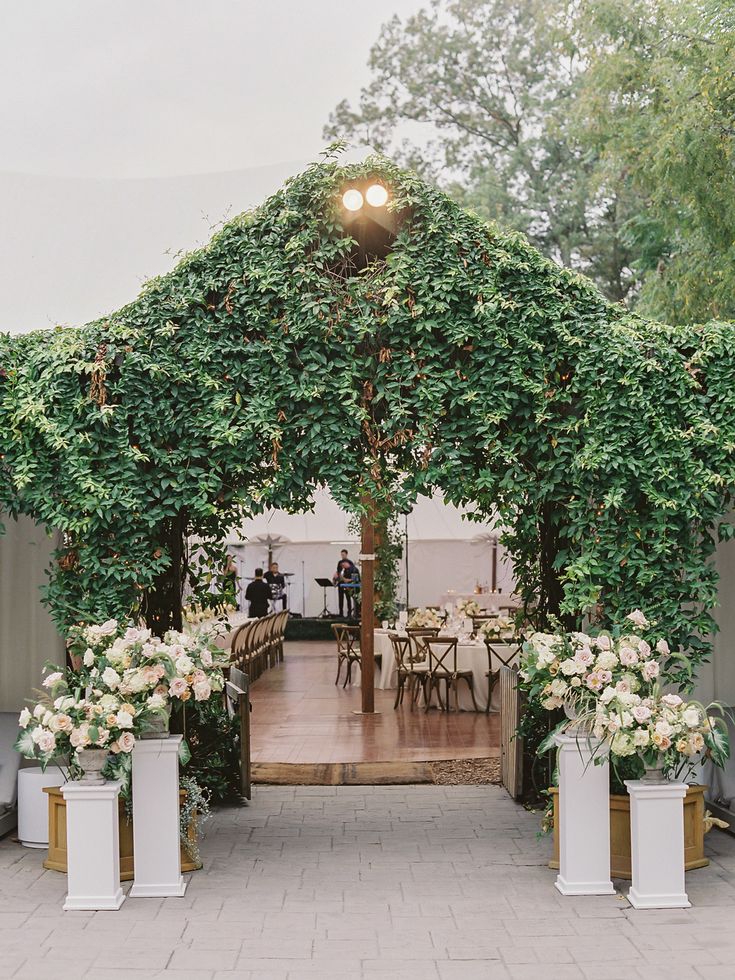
point(607, 695)
point(664, 729)
point(124, 719)
point(184, 665)
point(126, 742)
point(24, 718)
point(156, 701)
point(37, 734)
point(46, 742)
point(672, 700)
point(202, 690)
point(108, 628)
point(569, 667)
point(52, 678)
point(662, 647)
point(637, 619)
point(110, 677)
point(88, 657)
point(641, 738)
point(606, 660)
point(39, 711)
point(575, 682)
point(691, 717)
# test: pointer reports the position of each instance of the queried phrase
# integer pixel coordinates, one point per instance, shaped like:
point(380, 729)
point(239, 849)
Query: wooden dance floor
point(304, 727)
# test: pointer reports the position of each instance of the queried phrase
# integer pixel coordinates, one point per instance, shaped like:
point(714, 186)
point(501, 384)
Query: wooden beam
point(367, 613)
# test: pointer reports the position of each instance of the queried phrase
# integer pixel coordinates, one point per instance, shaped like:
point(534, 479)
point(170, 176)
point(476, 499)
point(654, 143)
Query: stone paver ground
point(429, 882)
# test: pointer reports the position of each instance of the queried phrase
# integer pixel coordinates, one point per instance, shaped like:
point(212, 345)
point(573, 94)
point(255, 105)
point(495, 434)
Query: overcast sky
point(136, 88)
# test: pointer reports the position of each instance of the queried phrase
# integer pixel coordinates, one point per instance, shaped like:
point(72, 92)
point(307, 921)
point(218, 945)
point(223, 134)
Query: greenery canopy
point(268, 362)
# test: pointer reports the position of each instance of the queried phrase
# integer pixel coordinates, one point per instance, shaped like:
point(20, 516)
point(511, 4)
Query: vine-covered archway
point(271, 361)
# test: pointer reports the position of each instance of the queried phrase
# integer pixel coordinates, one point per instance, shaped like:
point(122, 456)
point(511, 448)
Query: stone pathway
point(429, 882)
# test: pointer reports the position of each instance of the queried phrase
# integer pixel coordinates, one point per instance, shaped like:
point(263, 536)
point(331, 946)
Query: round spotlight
point(352, 199)
point(376, 195)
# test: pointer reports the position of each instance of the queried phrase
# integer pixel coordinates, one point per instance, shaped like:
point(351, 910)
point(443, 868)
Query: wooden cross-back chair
point(506, 654)
point(412, 670)
point(348, 649)
point(442, 651)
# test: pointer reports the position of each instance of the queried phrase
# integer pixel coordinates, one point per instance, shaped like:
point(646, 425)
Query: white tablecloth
point(489, 601)
point(470, 656)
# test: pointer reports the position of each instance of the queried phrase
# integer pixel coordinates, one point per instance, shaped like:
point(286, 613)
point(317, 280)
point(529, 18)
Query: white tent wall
point(445, 551)
point(28, 637)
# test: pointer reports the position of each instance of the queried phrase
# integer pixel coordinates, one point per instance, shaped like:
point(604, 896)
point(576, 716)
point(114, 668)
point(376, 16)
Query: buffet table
point(470, 656)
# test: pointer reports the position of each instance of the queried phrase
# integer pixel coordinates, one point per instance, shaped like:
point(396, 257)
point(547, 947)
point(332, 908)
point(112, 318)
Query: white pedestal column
point(584, 818)
point(92, 847)
point(156, 843)
point(657, 845)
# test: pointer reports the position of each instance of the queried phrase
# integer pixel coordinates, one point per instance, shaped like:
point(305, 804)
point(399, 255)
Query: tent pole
point(406, 536)
point(367, 613)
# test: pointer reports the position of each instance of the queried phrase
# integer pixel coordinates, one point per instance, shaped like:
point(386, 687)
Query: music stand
point(325, 583)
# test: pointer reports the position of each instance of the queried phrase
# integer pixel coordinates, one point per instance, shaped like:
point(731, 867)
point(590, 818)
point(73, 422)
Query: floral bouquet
point(130, 663)
point(424, 619)
point(668, 733)
point(65, 721)
point(500, 628)
point(571, 670)
point(467, 608)
point(196, 614)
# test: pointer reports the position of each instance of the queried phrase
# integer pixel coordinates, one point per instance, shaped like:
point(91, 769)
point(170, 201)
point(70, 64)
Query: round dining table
point(471, 655)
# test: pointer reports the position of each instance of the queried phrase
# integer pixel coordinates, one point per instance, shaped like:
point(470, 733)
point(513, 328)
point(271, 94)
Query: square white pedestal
point(92, 847)
point(657, 845)
point(584, 818)
point(157, 847)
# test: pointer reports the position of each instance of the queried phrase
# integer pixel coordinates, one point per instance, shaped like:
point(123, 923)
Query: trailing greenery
point(267, 363)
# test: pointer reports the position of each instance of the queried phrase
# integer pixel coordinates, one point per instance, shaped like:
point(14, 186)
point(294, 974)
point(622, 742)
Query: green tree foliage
point(603, 129)
point(266, 363)
point(657, 103)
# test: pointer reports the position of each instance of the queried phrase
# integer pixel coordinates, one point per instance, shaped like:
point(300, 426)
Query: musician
point(277, 584)
point(258, 594)
point(345, 570)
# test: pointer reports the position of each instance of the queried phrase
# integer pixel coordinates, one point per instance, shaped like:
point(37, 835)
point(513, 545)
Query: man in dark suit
point(258, 594)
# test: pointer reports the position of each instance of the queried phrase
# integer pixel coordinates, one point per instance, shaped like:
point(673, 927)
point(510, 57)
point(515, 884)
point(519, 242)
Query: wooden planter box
point(56, 860)
point(620, 832)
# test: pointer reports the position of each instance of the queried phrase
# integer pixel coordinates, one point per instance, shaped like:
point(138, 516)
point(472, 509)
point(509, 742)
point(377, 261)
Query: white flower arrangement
point(65, 720)
point(424, 619)
point(500, 628)
point(149, 672)
point(196, 614)
point(574, 668)
point(467, 608)
point(610, 683)
point(664, 730)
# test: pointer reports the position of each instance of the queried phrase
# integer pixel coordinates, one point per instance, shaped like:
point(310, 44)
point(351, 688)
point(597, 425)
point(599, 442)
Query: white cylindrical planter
point(584, 818)
point(657, 845)
point(156, 842)
point(92, 847)
point(33, 803)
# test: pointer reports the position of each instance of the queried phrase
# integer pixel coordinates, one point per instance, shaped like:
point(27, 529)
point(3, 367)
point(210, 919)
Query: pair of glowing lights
point(376, 196)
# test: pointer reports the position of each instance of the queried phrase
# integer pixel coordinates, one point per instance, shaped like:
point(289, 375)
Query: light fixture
point(376, 195)
point(352, 199)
